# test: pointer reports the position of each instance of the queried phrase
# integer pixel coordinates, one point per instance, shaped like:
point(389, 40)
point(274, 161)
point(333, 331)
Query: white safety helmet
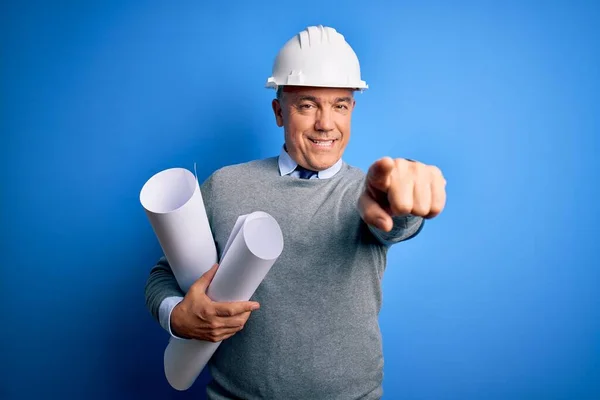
point(317, 56)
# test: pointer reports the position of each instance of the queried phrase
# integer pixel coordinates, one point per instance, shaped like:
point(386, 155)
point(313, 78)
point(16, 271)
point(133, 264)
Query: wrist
point(178, 317)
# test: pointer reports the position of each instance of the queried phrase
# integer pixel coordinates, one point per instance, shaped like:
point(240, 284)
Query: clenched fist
point(401, 187)
point(198, 317)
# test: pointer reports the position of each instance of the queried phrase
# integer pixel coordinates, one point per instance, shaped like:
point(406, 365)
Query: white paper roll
point(173, 203)
point(253, 247)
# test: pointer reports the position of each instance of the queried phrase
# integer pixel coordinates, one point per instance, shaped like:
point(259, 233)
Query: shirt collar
point(287, 165)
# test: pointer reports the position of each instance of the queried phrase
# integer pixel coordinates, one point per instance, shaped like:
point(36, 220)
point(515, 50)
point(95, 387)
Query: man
point(316, 335)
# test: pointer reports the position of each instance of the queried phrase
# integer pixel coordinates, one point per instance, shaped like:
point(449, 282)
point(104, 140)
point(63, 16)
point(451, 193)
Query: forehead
point(319, 93)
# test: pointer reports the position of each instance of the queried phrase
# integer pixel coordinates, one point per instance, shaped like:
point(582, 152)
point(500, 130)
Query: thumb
point(379, 174)
point(373, 214)
point(205, 280)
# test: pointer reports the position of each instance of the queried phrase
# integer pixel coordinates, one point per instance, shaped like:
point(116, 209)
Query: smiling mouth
point(324, 143)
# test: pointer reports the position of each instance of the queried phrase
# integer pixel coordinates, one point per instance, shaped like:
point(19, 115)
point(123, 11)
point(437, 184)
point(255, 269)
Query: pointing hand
point(396, 187)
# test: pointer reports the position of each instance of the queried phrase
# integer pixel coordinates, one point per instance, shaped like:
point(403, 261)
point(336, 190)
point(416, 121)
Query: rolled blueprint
point(173, 203)
point(254, 245)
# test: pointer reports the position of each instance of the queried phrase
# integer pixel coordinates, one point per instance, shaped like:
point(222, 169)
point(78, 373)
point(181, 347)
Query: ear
point(278, 111)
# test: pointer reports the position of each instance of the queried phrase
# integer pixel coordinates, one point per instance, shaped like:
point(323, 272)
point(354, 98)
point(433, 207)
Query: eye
point(341, 106)
point(305, 106)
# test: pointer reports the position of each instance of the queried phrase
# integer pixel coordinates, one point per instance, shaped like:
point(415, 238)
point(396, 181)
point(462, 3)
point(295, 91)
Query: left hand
point(395, 187)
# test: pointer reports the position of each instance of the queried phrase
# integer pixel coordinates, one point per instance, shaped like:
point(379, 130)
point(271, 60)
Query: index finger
point(230, 309)
point(379, 174)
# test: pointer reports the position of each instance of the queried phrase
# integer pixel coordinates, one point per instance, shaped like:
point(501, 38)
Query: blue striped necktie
point(305, 173)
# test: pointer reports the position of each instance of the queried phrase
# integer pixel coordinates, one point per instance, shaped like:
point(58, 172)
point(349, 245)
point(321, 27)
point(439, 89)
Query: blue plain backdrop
point(496, 299)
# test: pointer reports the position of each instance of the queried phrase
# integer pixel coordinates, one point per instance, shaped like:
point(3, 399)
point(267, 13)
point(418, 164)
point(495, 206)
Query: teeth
point(322, 142)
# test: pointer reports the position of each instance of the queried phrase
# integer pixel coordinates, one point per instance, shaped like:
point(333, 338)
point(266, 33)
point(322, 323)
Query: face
point(316, 123)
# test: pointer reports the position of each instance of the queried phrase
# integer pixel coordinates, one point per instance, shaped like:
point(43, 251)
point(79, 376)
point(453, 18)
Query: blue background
point(496, 299)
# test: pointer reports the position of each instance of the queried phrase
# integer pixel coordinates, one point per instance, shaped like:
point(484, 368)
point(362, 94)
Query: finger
point(227, 335)
point(205, 280)
point(243, 318)
point(373, 214)
point(401, 196)
point(234, 308)
point(220, 323)
point(219, 335)
point(438, 197)
point(379, 174)
point(405, 166)
point(421, 199)
point(234, 322)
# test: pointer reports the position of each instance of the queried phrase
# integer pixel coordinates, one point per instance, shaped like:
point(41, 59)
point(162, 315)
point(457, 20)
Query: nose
point(324, 121)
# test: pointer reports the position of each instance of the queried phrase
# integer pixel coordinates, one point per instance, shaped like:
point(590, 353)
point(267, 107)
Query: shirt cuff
point(164, 313)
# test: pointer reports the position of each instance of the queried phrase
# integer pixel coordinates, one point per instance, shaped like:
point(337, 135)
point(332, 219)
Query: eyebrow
point(346, 99)
point(307, 98)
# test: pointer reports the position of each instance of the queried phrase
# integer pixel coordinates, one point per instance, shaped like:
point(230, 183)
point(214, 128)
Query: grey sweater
point(316, 335)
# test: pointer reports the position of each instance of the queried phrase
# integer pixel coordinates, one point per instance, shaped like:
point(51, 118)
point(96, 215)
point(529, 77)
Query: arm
point(162, 293)
point(193, 315)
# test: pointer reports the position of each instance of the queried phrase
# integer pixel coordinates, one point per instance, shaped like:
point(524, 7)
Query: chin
point(321, 165)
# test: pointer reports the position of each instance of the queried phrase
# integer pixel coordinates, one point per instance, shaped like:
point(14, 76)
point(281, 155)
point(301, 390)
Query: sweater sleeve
point(405, 228)
point(161, 284)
